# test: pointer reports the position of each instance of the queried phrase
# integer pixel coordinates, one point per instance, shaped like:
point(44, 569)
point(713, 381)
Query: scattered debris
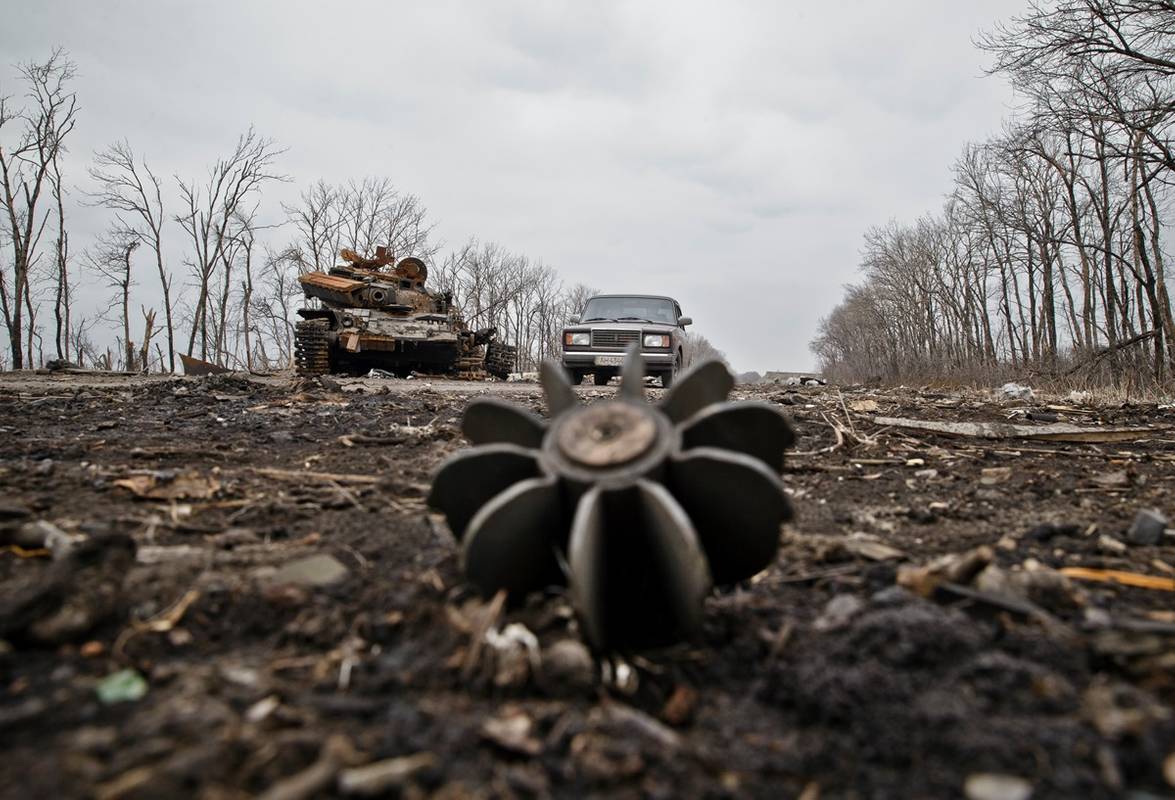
point(379, 777)
point(1059, 432)
point(994, 786)
point(1123, 578)
point(1148, 527)
point(170, 486)
point(1017, 392)
point(512, 730)
point(319, 570)
point(124, 686)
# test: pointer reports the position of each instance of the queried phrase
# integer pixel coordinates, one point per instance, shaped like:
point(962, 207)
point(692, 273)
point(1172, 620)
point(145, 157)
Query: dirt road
point(221, 587)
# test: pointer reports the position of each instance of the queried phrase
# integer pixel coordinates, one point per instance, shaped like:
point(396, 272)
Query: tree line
point(1048, 256)
point(225, 272)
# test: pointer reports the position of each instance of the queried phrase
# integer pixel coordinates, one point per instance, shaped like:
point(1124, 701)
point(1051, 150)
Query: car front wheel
point(602, 377)
point(667, 378)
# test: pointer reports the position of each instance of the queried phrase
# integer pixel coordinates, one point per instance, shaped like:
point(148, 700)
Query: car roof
point(645, 296)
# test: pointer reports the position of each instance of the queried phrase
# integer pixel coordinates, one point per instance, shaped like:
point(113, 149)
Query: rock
point(994, 786)
point(873, 551)
point(319, 570)
point(1147, 528)
point(124, 686)
point(516, 654)
point(1108, 544)
point(950, 568)
point(1115, 479)
point(568, 665)
point(839, 611)
point(42, 533)
point(381, 776)
point(1119, 710)
point(993, 476)
point(233, 537)
point(1169, 769)
point(1047, 530)
point(1015, 391)
point(679, 708)
point(511, 730)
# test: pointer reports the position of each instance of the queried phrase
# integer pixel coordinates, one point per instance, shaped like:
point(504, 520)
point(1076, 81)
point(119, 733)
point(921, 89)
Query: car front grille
point(611, 338)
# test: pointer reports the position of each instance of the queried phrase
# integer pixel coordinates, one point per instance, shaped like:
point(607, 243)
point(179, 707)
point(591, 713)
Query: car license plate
point(609, 361)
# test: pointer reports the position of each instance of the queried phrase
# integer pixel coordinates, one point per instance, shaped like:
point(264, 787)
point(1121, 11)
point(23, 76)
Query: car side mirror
point(683, 321)
point(573, 318)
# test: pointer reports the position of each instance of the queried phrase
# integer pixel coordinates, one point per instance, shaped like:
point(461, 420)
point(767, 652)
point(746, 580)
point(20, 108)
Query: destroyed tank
point(372, 315)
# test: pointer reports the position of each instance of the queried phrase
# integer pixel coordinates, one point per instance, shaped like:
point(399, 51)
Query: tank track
point(500, 358)
point(311, 347)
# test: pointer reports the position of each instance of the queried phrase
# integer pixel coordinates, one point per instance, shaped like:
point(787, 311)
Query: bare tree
point(27, 169)
point(111, 259)
point(209, 210)
point(128, 187)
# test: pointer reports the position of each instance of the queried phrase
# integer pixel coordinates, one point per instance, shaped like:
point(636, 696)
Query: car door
point(687, 346)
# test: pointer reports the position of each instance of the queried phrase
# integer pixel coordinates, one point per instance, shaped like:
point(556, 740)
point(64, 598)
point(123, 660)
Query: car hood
point(622, 326)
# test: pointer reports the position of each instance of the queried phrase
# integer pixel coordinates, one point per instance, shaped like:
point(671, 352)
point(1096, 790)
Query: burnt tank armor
point(373, 315)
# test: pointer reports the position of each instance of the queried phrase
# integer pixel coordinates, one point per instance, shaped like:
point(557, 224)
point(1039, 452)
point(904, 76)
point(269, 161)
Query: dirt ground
point(163, 633)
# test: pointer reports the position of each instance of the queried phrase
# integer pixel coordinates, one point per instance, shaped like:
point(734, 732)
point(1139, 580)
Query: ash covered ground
point(228, 587)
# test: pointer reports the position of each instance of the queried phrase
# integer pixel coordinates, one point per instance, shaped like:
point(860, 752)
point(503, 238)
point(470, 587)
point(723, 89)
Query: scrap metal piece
point(642, 506)
point(195, 366)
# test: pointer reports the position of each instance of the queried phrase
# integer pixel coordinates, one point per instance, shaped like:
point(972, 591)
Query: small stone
point(1007, 543)
point(1169, 769)
point(568, 665)
point(121, 687)
point(839, 612)
point(259, 711)
point(511, 730)
point(993, 476)
point(1115, 479)
point(44, 467)
point(92, 649)
point(381, 776)
point(679, 708)
point(873, 551)
point(994, 786)
point(320, 570)
point(1147, 528)
point(1108, 544)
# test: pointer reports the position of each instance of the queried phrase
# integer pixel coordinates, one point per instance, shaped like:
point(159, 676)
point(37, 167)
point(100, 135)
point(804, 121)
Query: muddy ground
point(915, 638)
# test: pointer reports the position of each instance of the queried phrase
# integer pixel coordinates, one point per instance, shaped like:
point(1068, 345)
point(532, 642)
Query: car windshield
point(635, 309)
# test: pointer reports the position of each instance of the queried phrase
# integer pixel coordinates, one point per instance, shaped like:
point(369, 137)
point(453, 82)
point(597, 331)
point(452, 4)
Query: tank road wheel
point(311, 347)
point(500, 359)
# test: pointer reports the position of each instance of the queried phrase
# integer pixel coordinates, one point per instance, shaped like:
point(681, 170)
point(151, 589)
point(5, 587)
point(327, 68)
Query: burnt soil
point(845, 670)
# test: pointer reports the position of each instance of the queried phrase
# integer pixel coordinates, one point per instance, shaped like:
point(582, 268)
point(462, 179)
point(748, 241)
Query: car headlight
point(577, 339)
point(656, 340)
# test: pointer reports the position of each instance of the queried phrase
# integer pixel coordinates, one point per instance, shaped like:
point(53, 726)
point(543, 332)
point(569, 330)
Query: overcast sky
point(730, 154)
